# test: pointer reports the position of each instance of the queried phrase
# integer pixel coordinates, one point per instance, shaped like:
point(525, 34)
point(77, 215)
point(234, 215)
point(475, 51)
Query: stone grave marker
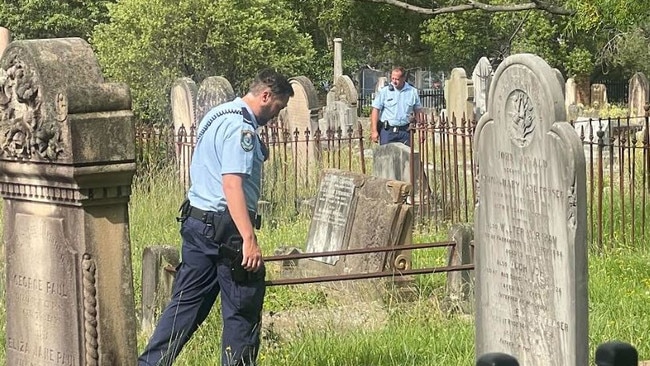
point(598, 96)
point(459, 96)
point(213, 91)
point(357, 211)
point(382, 81)
point(570, 96)
point(639, 94)
point(158, 270)
point(66, 166)
point(341, 109)
point(183, 98)
point(481, 77)
point(301, 114)
point(530, 228)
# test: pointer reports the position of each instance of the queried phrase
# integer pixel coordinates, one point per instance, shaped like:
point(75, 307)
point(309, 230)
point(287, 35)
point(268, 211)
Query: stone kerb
point(639, 95)
point(460, 95)
point(530, 228)
point(67, 160)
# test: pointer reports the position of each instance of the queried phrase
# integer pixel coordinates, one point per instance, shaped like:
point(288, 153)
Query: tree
point(150, 43)
point(33, 19)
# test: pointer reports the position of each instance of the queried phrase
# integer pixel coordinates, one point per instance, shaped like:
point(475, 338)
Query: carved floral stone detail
point(24, 133)
point(521, 116)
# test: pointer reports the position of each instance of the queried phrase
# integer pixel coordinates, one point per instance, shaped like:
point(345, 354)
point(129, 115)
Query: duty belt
point(390, 128)
point(204, 216)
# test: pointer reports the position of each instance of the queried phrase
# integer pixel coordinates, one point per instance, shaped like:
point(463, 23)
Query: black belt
point(390, 128)
point(204, 216)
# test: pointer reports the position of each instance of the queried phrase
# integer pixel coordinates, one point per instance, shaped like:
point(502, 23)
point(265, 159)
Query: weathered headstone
point(459, 96)
point(570, 96)
point(183, 99)
point(382, 81)
point(158, 271)
point(530, 228)
point(341, 109)
point(5, 39)
point(481, 77)
point(393, 161)
point(598, 96)
point(356, 211)
point(66, 166)
point(213, 91)
point(460, 284)
point(301, 114)
point(639, 95)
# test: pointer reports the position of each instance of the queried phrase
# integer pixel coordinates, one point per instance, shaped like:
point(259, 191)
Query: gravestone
point(382, 81)
point(66, 166)
point(158, 271)
point(639, 94)
point(530, 228)
point(460, 284)
point(338, 57)
point(598, 96)
point(301, 114)
point(341, 109)
point(481, 77)
point(213, 91)
point(570, 97)
point(355, 211)
point(5, 39)
point(393, 161)
point(459, 96)
point(183, 98)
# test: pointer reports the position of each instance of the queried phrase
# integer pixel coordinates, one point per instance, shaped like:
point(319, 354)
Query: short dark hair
point(401, 70)
point(272, 79)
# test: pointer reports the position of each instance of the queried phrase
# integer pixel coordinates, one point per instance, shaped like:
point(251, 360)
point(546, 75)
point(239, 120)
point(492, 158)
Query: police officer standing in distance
point(220, 253)
point(392, 108)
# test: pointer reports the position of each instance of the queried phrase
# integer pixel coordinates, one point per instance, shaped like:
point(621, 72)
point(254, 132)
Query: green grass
point(393, 332)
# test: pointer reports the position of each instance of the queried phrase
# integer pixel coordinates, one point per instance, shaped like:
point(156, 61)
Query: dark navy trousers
point(386, 136)
point(201, 276)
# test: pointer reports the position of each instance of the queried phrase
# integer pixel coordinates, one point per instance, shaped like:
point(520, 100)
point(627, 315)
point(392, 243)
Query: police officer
point(220, 253)
point(391, 108)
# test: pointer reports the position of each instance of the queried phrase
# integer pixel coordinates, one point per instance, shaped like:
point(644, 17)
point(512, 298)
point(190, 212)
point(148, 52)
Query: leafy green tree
point(150, 43)
point(33, 19)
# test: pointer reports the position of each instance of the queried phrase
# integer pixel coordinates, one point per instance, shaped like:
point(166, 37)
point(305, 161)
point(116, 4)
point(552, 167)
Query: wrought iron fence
point(617, 160)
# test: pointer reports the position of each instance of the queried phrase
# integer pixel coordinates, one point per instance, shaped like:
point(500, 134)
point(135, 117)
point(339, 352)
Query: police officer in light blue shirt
point(220, 253)
point(393, 108)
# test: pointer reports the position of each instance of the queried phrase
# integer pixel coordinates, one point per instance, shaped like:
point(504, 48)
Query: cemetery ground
point(331, 325)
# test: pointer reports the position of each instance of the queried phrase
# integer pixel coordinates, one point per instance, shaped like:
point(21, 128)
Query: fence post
point(496, 359)
point(616, 353)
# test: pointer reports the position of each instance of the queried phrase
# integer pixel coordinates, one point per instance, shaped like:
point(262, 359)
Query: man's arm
point(233, 189)
point(374, 123)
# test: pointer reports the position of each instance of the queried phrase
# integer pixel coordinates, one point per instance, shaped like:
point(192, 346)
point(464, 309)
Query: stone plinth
point(66, 165)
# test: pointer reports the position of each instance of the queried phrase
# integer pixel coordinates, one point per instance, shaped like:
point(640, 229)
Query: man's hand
point(374, 136)
point(251, 255)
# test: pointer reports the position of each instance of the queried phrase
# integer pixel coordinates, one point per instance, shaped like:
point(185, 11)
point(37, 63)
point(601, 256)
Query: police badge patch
point(247, 140)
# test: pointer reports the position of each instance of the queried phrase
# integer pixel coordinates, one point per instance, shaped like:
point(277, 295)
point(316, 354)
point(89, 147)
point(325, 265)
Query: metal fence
point(430, 98)
point(617, 160)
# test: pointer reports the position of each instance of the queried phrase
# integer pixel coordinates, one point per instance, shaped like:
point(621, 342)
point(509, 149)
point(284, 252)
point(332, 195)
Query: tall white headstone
point(530, 228)
point(481, 78)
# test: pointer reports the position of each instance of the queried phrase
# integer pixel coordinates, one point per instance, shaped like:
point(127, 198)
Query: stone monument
point(67, 159)
point(214, 90)
point(183, 98)
point(639, 94)
point(356, 211)
point(459, 95)
point(530, 228)
point(481, 77)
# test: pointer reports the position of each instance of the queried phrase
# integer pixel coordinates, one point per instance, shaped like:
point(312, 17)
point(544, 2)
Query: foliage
point(31, 19)
point(150, 43)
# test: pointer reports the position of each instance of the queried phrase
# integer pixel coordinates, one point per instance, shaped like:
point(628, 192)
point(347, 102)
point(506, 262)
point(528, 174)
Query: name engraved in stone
point(44, 354)
point(333, 203)
point(35, 284)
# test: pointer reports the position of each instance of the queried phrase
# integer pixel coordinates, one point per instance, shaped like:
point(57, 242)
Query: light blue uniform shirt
point(229, 145)
point(395, 106)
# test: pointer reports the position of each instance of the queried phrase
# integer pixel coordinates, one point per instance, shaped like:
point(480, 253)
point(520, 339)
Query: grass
point(391, 332)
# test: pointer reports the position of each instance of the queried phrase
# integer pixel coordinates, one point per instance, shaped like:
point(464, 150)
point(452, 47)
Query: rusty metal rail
point(359, 251)
point(358, 276)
